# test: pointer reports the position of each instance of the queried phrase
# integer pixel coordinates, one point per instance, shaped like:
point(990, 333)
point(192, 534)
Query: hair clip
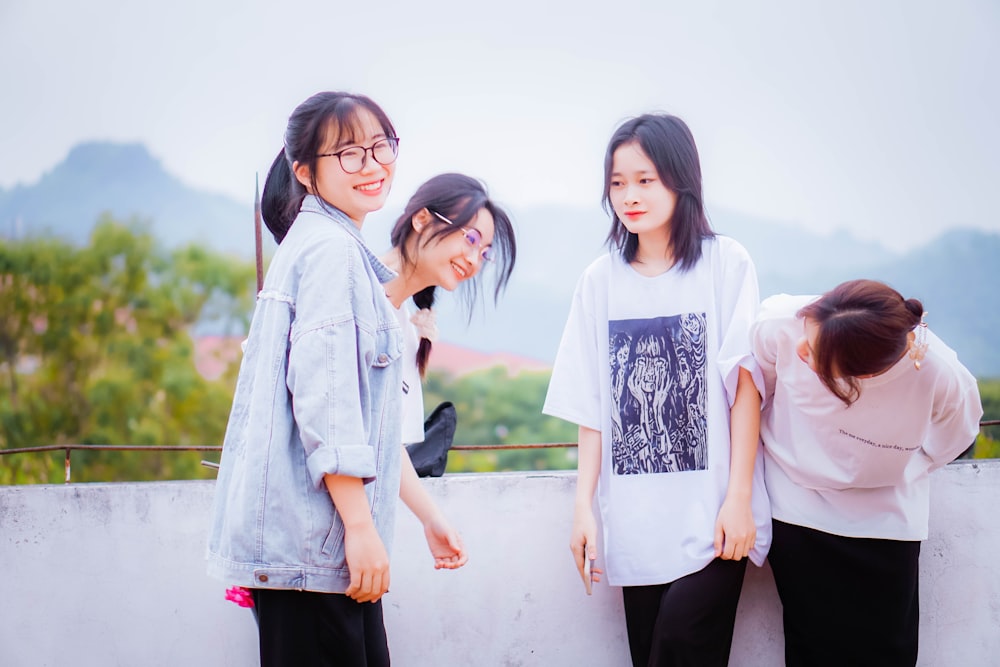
point(426, 324)
point(918, 346)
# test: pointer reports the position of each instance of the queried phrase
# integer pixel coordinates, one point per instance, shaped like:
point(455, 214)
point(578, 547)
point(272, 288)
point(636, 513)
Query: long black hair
point(668, 143)
point(309, 128)
point(459, 198)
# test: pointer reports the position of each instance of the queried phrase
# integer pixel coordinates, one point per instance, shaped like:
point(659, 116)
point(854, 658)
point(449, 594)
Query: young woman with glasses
point(655, 367)
point(449, 232)
point(311, 464)
point(862, 402)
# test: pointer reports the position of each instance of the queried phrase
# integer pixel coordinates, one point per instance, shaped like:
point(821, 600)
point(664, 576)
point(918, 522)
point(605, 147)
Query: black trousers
point(846, 600)
point(687, 622)
point(306, 629)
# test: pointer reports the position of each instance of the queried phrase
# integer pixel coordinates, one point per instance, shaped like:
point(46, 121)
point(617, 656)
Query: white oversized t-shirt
point(652, 363)
point(858, 471)
point(413, 395)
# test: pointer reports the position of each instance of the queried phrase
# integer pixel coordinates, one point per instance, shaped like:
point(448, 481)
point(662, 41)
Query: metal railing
point(217, 448)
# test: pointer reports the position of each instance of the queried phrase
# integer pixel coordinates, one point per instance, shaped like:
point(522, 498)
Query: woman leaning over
point(862, 403)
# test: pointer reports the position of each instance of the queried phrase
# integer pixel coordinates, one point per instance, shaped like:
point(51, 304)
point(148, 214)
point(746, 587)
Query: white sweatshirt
point(858, 471)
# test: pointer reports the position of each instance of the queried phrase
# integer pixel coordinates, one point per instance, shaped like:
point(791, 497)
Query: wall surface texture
point(113, 574)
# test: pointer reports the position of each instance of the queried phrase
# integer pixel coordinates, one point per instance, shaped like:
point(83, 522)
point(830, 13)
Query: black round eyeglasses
point(354, 158)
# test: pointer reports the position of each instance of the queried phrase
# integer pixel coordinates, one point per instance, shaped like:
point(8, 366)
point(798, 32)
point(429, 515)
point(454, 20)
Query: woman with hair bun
point(862, 403)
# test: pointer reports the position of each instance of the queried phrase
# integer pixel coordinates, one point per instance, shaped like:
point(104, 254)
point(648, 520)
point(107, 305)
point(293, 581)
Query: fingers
point(354, 587)
point(362, 591)
point(448, 550)
point(719, 538)
point(736, 549)
point(578, 548)
point(584, 553)
point(368, 584)
point(461, 556)
point(370, 588)
point(452, 562)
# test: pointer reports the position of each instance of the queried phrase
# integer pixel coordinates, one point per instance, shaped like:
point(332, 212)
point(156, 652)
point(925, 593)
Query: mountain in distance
point(129, 183)
point(955, 275)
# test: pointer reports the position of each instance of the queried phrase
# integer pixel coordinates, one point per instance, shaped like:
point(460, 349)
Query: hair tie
point(918, 348)
point(424, 321)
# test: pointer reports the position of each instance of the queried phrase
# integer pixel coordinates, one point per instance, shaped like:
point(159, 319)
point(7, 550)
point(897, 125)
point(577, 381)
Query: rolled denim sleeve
point(326, 364)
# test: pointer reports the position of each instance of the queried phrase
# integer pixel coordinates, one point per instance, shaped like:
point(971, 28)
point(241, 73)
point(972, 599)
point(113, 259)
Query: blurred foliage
point(495, 408)
point(988, 443)
point(96, 348)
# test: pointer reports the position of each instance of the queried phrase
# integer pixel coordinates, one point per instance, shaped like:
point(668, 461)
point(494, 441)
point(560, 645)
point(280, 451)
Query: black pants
point(688, 622)
point(305, 629)
point(846, 600)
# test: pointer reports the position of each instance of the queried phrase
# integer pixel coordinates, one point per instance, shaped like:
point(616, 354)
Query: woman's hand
point(583, 545)
point(445, 544)
point(368, 563)
point(735, 530)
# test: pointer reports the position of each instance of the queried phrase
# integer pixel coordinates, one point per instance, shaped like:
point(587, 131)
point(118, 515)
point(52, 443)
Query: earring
point(918, 346)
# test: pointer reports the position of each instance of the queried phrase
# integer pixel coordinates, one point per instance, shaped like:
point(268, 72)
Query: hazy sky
point(875, 116)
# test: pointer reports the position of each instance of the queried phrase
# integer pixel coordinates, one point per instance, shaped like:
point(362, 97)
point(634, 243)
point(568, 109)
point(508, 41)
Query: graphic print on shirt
point(658, 394)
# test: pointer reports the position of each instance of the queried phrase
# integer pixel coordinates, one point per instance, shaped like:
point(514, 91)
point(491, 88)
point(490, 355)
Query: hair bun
point(915, 307)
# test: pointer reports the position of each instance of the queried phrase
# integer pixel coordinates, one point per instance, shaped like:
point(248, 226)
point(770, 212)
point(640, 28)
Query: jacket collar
point(313, 204)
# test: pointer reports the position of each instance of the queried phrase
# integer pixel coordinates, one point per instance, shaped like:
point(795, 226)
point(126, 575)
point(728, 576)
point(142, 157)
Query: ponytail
point(424, 299)
point(282, 197)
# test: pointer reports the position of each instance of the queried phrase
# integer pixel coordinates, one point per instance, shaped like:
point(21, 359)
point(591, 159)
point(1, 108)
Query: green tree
point(494, 408)
point(988, 442)
point(96, 349)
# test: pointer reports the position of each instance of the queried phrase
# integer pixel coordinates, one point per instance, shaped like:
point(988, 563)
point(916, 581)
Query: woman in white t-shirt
point(449, 231)
point(656, 369)
point(862, 402)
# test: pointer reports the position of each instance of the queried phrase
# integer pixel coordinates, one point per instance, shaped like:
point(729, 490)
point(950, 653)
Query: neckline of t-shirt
point(634, 271)
point(902, 366)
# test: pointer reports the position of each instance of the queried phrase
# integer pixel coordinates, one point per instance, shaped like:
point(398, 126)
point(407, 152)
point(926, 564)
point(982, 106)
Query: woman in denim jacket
point(315, 417)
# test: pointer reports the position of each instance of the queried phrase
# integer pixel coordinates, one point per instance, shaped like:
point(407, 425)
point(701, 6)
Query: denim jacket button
point(383, 358)
point(262, 578)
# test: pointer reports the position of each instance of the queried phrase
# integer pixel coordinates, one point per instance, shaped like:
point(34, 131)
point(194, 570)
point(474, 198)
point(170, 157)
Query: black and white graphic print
point(658, 394)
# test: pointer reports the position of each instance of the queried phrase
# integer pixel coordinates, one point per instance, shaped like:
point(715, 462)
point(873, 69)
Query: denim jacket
point(319, 391)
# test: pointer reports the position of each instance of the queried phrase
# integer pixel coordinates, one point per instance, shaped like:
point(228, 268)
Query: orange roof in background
point(457, 360)
point(213, 353)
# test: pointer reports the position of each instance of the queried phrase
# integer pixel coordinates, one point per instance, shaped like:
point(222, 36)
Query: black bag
point(431, 456)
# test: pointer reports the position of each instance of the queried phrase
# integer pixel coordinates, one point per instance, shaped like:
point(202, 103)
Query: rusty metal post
point(257, 236)
point(68, 450)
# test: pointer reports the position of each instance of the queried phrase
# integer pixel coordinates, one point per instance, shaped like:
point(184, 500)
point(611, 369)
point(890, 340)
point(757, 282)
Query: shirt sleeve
point(770, 331)
point(764, 344)
point(738, 299)
point(325, 362)
point(574, 388)
point(956, 414)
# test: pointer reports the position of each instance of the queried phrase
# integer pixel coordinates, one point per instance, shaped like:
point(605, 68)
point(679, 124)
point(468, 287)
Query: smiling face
point(447, 261)
point(639, 197)
point(356, 194)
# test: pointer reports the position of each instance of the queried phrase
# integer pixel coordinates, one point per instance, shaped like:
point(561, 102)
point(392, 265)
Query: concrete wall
point(113, 574)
